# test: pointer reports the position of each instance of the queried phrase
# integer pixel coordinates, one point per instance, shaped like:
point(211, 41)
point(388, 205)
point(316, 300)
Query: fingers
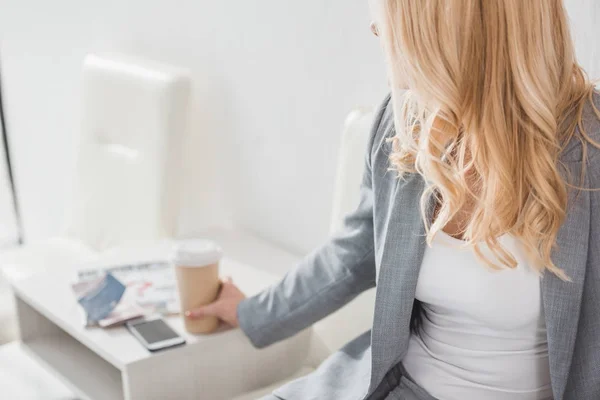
point(209, 310)
point(225, 280)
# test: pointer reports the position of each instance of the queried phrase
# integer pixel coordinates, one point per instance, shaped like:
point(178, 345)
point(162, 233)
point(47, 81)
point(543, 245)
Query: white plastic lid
point(196, 253)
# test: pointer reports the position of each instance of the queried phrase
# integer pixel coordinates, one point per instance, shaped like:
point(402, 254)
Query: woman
point(485, 244)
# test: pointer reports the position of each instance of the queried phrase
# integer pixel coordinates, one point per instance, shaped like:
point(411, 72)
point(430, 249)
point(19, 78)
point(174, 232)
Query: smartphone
point(154, 333)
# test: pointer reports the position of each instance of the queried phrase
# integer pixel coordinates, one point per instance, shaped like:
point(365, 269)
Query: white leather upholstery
point(351, 164)
point(357, 316)
point(135, 115)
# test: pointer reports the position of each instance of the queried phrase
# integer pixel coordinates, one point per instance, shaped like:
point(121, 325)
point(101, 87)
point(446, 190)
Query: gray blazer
point(382, 244)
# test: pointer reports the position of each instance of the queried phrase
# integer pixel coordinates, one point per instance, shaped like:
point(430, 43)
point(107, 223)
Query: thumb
point(209, 310)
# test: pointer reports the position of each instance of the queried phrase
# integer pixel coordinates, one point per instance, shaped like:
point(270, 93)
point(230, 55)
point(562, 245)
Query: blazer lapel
point(562, 300)
point(400, 259)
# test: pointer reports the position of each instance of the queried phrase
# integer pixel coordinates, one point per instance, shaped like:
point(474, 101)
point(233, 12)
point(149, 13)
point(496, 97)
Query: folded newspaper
point(113, 295)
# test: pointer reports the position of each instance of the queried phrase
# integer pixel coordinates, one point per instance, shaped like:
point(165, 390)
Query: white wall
point(585, 21)
point(274, 80)
point(8, 222)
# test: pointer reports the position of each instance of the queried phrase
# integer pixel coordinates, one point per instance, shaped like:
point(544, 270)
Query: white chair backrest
point(135, 116)
point(351, 156)
point(356, 317)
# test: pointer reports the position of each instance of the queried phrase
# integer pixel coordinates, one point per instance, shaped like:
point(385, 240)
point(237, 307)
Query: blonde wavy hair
point(495, 95)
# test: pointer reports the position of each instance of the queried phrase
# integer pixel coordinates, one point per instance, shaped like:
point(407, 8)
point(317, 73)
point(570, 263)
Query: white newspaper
point(151, 288)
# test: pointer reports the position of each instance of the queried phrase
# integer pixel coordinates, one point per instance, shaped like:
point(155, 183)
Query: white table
point(110, 364)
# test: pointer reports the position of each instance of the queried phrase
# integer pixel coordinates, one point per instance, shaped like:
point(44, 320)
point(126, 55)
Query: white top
point(484, 334)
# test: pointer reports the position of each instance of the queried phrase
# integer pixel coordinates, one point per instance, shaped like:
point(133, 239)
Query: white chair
point(355, 318)
point(134, 118)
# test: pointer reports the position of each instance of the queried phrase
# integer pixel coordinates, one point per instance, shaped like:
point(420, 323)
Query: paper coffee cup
point(196, 265)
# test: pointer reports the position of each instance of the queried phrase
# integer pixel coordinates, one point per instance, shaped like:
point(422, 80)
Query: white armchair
point(356, 317)
point(134, 118)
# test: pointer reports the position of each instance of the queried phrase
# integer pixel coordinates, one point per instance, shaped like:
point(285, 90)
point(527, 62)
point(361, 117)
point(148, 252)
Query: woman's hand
point(224, 307)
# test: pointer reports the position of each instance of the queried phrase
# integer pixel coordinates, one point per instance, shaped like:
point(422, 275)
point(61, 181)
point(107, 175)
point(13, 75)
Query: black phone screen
point(155, 331)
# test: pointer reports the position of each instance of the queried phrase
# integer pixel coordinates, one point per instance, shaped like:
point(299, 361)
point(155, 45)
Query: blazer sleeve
point(325, 280)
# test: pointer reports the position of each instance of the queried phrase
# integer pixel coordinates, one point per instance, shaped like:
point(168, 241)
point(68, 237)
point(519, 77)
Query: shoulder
point(573, 151)
point(383, 128)
point(576, 156)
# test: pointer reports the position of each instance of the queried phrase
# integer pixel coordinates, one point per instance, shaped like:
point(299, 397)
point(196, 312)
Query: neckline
point(462, 242)
point(451, 238)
